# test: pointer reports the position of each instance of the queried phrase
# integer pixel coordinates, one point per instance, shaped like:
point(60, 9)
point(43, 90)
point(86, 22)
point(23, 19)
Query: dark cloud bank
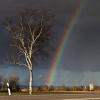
point(82, 50)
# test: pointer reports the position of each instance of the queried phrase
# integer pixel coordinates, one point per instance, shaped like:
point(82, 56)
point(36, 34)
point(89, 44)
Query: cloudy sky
point(81, 55)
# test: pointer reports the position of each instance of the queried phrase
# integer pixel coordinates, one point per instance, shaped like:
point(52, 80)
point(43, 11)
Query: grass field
point(51, 92)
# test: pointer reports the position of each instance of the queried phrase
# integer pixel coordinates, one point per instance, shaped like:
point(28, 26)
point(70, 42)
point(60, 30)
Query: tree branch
point(21, 64)
point(41, 23)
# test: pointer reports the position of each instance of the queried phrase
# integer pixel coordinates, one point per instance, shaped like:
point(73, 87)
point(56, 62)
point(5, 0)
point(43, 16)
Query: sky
point(79, 63)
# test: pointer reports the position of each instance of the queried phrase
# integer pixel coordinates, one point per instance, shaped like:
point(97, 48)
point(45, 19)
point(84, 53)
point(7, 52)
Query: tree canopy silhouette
point(30, 35)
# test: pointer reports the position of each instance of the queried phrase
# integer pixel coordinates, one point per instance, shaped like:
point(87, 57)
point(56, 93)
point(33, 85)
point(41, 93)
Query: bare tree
point(14, 83)
point(1, 79)
point(29, 32)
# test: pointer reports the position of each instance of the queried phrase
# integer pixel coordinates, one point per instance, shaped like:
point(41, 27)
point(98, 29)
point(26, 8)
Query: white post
point(9, 92)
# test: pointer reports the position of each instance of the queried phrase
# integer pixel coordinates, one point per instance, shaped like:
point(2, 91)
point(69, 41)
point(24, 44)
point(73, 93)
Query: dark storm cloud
point(83, 50)
point(62, 9)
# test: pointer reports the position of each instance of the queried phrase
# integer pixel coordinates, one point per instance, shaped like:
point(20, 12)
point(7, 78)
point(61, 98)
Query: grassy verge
point(50, 92)
point(3, 93)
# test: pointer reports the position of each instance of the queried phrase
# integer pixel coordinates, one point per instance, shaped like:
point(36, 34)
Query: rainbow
point(57, 57)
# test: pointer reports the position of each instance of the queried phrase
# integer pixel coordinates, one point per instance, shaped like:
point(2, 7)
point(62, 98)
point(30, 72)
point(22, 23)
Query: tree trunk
point(30, 82)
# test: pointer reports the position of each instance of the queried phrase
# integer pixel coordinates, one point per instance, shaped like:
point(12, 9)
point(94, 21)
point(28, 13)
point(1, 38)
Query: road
point(93, 96)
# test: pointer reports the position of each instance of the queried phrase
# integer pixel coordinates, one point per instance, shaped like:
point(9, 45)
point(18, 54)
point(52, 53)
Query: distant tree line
point(64, 88)
point(13, 84)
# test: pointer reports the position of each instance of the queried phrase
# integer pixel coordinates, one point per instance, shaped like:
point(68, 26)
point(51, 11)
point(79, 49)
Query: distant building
point(24, 90)
point(91, 86)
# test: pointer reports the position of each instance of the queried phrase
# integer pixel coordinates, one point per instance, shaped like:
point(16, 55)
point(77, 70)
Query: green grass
point(6, 93)
point(3, 93)
point(50, 92)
